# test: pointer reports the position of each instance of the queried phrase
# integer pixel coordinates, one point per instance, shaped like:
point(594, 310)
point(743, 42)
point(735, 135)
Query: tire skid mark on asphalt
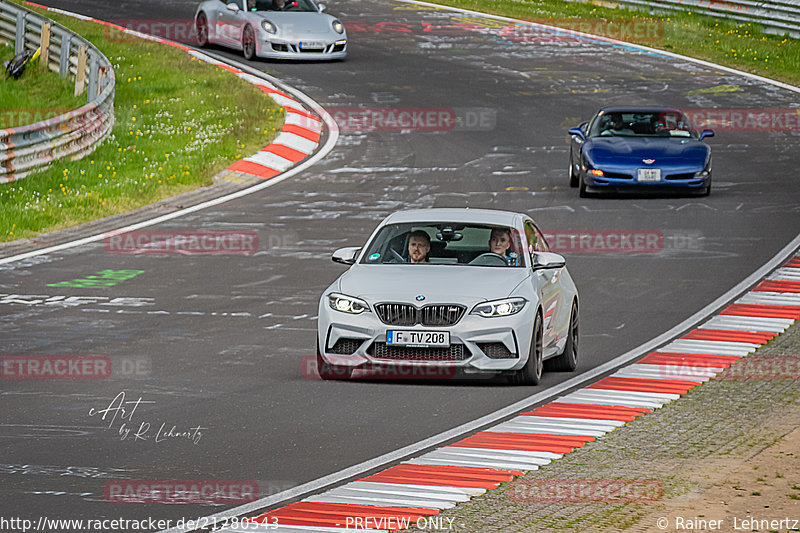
point(446, 476)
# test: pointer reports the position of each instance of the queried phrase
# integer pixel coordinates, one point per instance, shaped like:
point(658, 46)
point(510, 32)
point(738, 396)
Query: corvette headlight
point(347, 304)
point(338, 27)
point(701, 175)
point(495, 308)
point(269, 27)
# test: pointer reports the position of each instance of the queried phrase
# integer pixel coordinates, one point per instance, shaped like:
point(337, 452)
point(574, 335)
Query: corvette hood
point(438, 283)
point(634, 149)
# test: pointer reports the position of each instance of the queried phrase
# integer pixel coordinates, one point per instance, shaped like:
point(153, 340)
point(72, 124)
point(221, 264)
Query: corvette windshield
point(447, 244)
point(278, 5)
point(642, 124)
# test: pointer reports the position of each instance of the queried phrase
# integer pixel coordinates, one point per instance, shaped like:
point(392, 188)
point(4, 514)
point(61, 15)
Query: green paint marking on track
point(104, 278)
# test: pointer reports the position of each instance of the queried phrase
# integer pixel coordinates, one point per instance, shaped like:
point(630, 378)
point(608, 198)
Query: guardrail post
point(63, 60)
point(44, 59)
point(80, 74)
point(19, 42)
point(91, 94)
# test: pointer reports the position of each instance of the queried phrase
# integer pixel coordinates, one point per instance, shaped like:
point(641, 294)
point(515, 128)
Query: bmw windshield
point(447, 244)
point(666, 123)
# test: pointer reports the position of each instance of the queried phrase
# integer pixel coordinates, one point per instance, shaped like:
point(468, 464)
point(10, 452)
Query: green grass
point(178, 122)
point(22, 97)
point(740, 46)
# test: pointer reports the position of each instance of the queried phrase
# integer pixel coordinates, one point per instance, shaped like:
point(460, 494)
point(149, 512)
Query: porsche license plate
point(649, 174)
point(311, 45)
point(418, 338)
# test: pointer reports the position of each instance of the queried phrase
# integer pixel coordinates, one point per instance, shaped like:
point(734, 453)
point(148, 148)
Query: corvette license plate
point(418, 338)
point(311, 45)
point(649, 174)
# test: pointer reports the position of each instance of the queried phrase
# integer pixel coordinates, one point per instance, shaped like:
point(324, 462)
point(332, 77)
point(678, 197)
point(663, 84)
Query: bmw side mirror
point(346, 256)
point(322, 7)
point(706, 133)
point(233, 7)
point(547, 260)
point(578, 133)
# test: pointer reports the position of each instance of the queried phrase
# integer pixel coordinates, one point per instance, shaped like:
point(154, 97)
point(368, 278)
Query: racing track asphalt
point(224, 337)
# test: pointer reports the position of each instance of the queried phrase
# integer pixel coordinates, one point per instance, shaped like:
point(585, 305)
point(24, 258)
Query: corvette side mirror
point(706, 133)
point(578, 133)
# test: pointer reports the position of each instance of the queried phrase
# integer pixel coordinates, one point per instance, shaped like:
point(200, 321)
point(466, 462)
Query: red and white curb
point(301, 130)
point(420, 488)
point(300, 136)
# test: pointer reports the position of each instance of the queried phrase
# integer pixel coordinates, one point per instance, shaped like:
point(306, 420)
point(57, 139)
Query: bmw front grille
point(429, 315)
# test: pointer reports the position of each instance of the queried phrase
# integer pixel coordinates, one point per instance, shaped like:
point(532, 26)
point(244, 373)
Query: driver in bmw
point(419, 245)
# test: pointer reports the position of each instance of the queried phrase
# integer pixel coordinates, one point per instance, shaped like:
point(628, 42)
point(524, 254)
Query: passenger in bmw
point(500, 242)
point(419, 245)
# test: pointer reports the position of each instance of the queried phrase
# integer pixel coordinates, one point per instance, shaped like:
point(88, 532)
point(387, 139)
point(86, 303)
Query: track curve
point(226, 336)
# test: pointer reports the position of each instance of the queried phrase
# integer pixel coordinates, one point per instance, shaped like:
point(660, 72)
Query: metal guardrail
point(28, 149)
point(781, 17)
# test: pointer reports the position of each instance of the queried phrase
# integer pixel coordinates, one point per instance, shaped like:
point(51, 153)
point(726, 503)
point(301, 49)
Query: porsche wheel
point(249, 43)
point(202, 30)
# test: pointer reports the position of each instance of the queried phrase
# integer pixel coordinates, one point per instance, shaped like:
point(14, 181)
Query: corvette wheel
point(582, 191)
point(202, 30)
point(568, 360)
point(248, 43)
point(573, 179)
point(531, 373)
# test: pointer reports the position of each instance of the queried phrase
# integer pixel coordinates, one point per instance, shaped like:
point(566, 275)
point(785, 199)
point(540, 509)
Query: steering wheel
point(397, 255)
point(489, 259)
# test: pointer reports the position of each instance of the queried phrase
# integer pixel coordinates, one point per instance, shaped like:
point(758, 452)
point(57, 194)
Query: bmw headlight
point(495, 308)
point(338, 27)
point(269, 27)
point(347, 304)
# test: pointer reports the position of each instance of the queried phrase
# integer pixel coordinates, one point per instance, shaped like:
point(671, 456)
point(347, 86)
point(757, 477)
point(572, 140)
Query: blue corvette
point(639, 149)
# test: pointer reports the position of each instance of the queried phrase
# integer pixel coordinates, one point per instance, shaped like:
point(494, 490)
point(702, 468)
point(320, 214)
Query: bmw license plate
point(648, 174)
point(311, 45)
point(423, 339)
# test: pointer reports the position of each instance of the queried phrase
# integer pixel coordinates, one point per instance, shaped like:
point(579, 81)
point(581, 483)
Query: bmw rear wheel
point(531, 373)
point(568, 360)
point(248, 43)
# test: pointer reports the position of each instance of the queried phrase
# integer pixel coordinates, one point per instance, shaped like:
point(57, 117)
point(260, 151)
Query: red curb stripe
point(38, 5)
point(303, 113)
point(254, 169)
point(688, 359)
point(488, 437)
point(777, 285)
point(588, 411)
point(668, 386)
point(446, 476)
point(792, 263)
point(519, 446)
point(762, 311)
point(730, 335)
point(354, 509)
point(228, 68)
point(295, 156)
point(301, 131)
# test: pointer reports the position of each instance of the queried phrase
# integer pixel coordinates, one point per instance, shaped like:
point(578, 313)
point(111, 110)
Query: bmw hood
point(300, 25)
point(634, 149)
point(437, 283)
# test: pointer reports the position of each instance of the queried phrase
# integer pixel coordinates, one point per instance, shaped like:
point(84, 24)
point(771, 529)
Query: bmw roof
point(450, 214)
